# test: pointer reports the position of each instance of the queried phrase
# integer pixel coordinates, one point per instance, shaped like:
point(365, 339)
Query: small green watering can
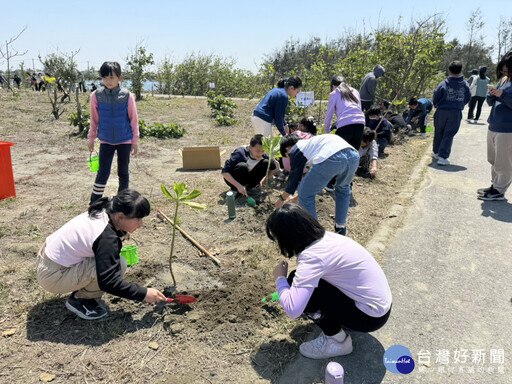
point(131, 254)
point(94, 162)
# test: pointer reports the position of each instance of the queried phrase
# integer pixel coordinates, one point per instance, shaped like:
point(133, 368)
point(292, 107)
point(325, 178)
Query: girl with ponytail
point(345, 101)
point(272, 107)
point(83, 257)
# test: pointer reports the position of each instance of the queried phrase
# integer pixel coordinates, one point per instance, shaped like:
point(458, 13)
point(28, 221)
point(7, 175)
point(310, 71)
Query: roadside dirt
point(228, 336)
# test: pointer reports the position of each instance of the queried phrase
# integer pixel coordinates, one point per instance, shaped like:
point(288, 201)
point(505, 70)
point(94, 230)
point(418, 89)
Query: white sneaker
point(324, 347)
point(442, 161)
point(329, 188)
point(435, 156)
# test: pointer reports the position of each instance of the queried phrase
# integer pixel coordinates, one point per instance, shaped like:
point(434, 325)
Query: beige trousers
point(80, 277)
point(499, 154)
point(261, 127)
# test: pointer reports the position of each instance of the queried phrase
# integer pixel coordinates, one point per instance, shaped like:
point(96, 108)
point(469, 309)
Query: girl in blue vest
point(114, 122)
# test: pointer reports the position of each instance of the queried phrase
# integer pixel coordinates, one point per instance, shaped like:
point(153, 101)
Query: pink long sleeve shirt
point(344, 264)
point(132, 115)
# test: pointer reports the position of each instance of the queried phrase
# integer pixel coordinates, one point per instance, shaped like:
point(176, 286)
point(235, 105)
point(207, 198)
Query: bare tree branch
point(7, 55)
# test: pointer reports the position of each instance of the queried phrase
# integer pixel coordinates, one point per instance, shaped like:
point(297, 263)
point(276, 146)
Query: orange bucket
point(6, 176)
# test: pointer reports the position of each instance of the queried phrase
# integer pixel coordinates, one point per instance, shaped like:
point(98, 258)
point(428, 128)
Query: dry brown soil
point(228, 336)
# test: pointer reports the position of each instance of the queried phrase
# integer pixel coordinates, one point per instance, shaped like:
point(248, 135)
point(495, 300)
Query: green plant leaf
point(180, 189)
point(166, 193)
point(191, 204)
point(192, 195)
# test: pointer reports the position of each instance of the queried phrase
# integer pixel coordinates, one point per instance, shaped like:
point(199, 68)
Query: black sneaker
point(492, 195)
point(340, 231)
point(483, 191)
point(87, 309)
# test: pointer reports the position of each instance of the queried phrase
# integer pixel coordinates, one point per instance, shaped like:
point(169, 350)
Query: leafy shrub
point(161, 131)
point(223, 109)
point(83, 122)
point(293, 112)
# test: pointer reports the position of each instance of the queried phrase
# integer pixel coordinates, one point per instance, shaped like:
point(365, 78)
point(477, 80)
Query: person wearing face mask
point(247, 167)
point(382, 128)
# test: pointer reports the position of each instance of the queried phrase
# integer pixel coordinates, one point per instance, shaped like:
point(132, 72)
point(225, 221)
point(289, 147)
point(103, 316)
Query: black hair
point(499, 69)
point(293, 126)
point(110, 67)
point(337, 80)
point(293, 228)
point(388, 112)
point(413, 101)
point(294, 82)
point(368, 136)
point(474, 71)
point(482, 71)
point(128, 201)
point(287, 142)
point(256, 140)
point(455, 67)
point(344, 89)
point(374, 111)
point(386, 104)
point(310, 125)
point(507, 60)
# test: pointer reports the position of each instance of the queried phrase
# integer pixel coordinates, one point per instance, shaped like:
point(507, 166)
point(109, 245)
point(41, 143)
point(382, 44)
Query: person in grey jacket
point(367, 91)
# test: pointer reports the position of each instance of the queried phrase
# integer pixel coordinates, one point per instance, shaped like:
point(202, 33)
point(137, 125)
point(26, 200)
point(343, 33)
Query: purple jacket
point(347, 112)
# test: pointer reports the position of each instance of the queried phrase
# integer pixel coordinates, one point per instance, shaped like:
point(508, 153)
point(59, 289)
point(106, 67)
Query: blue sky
point(244, 30)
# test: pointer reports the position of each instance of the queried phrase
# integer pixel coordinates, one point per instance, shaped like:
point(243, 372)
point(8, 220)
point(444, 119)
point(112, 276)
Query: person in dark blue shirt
point(418, 112)
point(247, 166)
point(450, 97)
point(382, 127)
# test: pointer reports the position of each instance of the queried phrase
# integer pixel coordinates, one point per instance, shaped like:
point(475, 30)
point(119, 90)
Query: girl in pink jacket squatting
point(337, 284)
point(114, 122)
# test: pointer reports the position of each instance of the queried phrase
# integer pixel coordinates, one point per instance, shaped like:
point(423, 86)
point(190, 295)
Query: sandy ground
point(228, 336)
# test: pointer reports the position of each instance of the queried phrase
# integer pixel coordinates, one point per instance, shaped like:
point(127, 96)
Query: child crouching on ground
point(306, 129)
point(368, 154)
point(337, 284)
point(247, 166)
point(382, 128)
point(83, 257)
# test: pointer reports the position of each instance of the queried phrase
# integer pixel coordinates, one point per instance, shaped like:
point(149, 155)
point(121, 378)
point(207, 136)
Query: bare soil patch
point(228, 336)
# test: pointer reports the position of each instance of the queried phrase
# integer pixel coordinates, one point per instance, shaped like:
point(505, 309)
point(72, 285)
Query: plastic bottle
point(334, 373)
point(230, 198)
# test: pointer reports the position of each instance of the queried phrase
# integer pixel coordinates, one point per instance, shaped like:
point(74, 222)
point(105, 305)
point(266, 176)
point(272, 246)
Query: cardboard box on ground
point(195, 158)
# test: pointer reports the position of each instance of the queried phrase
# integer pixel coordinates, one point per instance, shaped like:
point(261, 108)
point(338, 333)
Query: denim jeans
point(447, 124)
point(343, 166)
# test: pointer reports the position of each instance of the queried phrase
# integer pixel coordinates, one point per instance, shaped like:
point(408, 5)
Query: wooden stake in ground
point(191, 239)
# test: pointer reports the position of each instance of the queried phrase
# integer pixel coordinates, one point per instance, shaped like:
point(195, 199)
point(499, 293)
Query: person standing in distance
point(369, 86)
point(114, 122)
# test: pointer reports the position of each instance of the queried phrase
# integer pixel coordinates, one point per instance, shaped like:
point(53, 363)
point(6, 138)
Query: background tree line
point(415, 56)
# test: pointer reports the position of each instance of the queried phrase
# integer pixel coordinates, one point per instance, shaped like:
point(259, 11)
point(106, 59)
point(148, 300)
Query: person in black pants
point(247, 166)
point(337, 283)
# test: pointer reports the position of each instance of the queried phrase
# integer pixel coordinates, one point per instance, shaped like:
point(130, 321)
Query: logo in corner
point(398, 359)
